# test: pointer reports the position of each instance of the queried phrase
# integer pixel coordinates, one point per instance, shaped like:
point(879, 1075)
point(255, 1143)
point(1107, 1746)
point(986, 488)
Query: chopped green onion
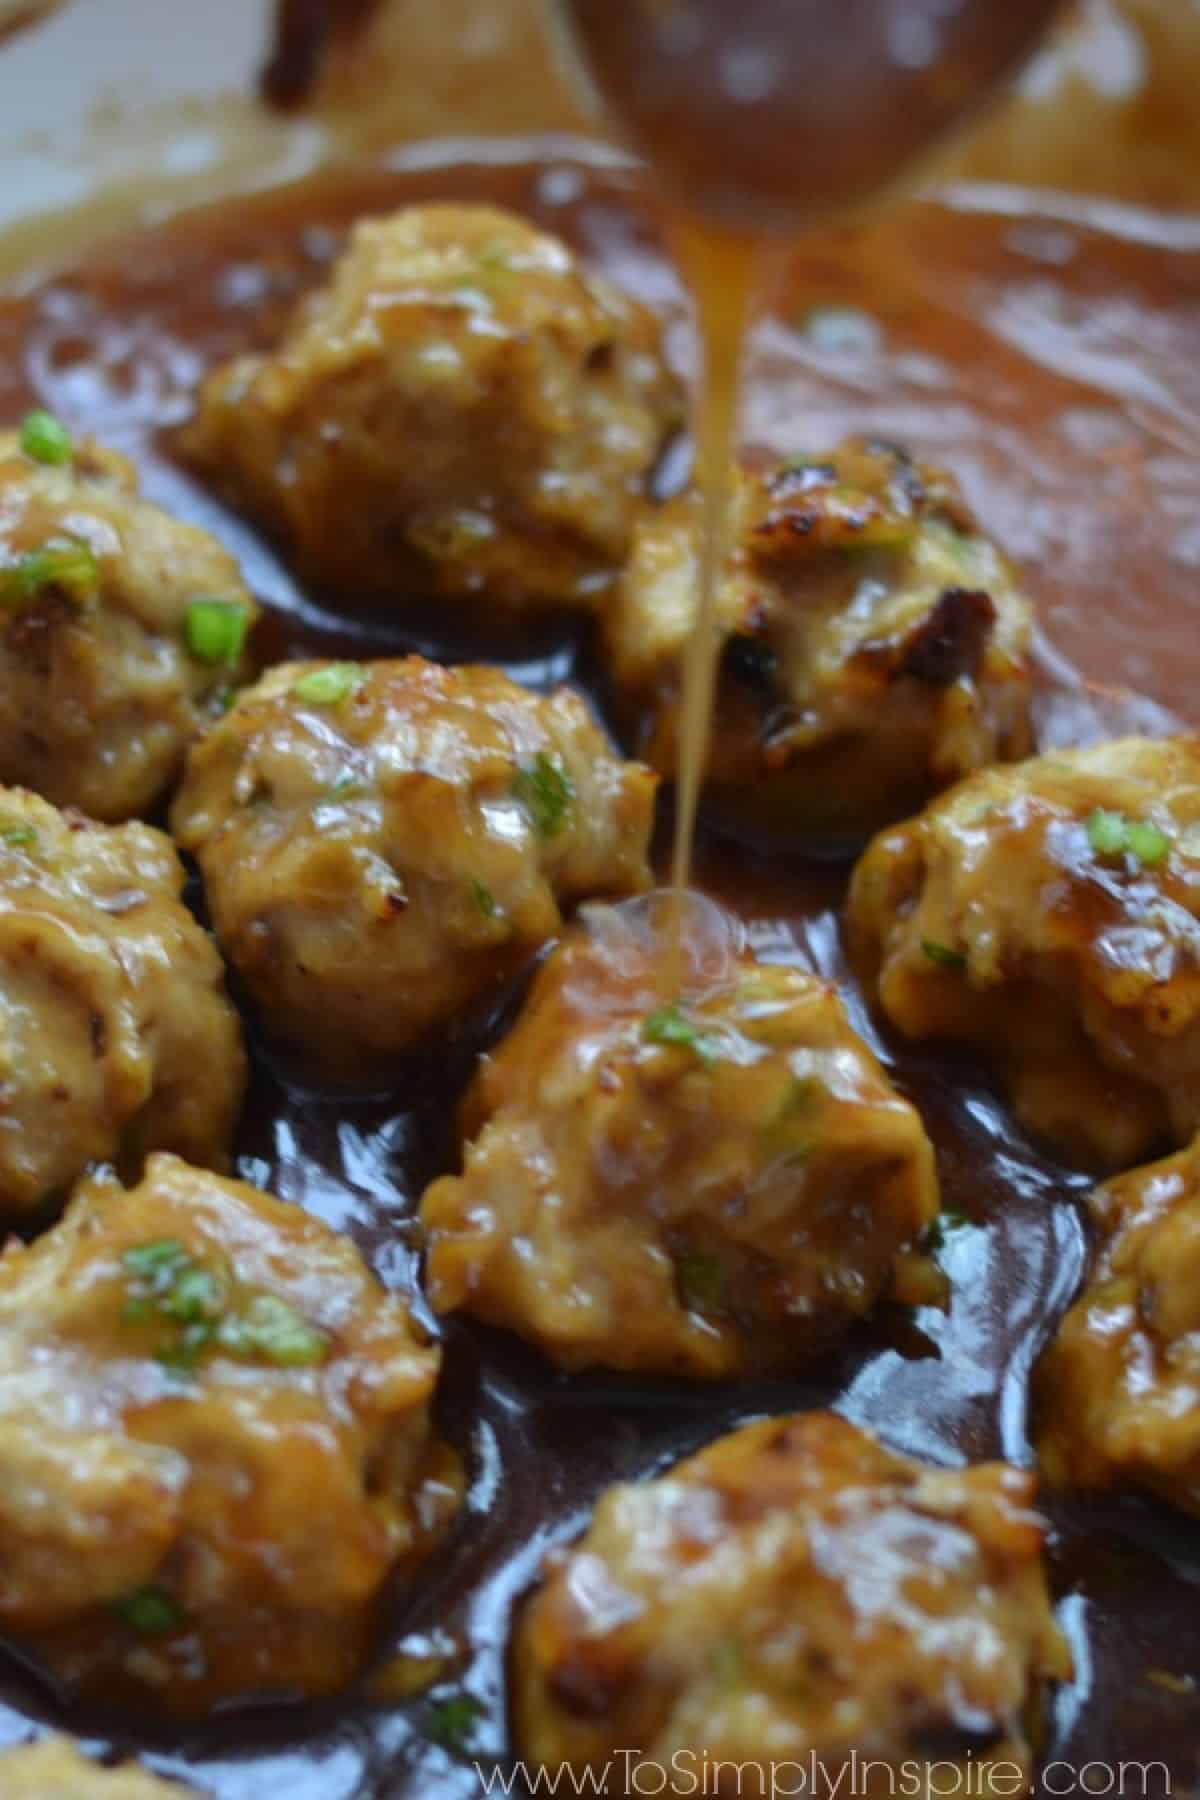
point(194, 1296)
point(452, 1722)
point(669, 1026)
point(1108, 832)
point(20, 837)
point(545, 791)
point(331, 685)
point(215, 630)
point(701, 1280)
point(1150, 845)
point(168, 1283)
point(44, 439)
point(1112, 834)
point(151, 1260)
point(943, 954)
point(272, 1329)
point(150, 1611)
point(62, 564)
point(484, 899)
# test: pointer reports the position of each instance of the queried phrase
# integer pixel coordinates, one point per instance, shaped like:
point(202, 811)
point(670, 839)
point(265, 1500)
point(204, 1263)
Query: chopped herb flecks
point(271, 1330)
point(206, 1310)
point(150, 1611)
point(215, 630)
point(452, 1722)
point(484, 899)
point(669, 1026)
point(943, 954)
point(331, 685)
point(62, 566)
point(1112, 834)
point(545, 791)
point(45, 439)
point(1150, 845)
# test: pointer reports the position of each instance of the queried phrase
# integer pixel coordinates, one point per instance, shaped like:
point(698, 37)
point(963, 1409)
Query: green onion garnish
point(943, 954)
point(669, 1026)
point(545, 791)
point(331, 685)
point(150, 1611)
point(271, 1329)
point(44, 439)
point(1108, 832)
point(1150, 845)
point(1112, 834)
point(62, 564)
point(215, 630)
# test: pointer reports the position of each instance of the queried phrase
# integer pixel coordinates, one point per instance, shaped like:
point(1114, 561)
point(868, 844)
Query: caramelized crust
point(1119, 1390)
point(464, 410)
point(1049, 914)
point(379, 861)
point(100, 693)
point(214, 1444)
point(716, 1185)
point(875, 646)
point(116, 1036)
point(794, 1590)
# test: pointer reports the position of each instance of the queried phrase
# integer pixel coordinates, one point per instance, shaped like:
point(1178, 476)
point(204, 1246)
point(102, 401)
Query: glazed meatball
point(875, 646)
point(121, 629)
point(463, 410)
point(1119, 1390)
point(715, 1184)
point(116, 1036)
point(214, 1443)
point(793, 1591)
point(382, 845)
point(55, 1770)
point(1049, 914)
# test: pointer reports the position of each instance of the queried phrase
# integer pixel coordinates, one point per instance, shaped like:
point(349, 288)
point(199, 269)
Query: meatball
point(463, 410)
point(875, 647)
point(1049, 914)
point(214, 1443)
point(718, 1183)
point(795, 1591)
point(55, 1770)
point(382, 845)
point(116, 1036)
point(121, 630)
point(1119, 1390)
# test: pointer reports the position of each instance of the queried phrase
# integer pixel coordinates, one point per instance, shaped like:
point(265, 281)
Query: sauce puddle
point(955, 333)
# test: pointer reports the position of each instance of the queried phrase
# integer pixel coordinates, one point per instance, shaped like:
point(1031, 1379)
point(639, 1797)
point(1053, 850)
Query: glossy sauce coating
point(1049, 362)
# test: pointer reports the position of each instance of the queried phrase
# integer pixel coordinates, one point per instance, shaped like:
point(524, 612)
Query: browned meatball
point(1050, 915)
point(793, 1591)
point(463, 410)
point(214, 1443)
point(116, 1036)
point(55, 1770)
point(383, 844)
point(718, 1183)
point(121, 629)
point(875, 646)
point(1119, 1389)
